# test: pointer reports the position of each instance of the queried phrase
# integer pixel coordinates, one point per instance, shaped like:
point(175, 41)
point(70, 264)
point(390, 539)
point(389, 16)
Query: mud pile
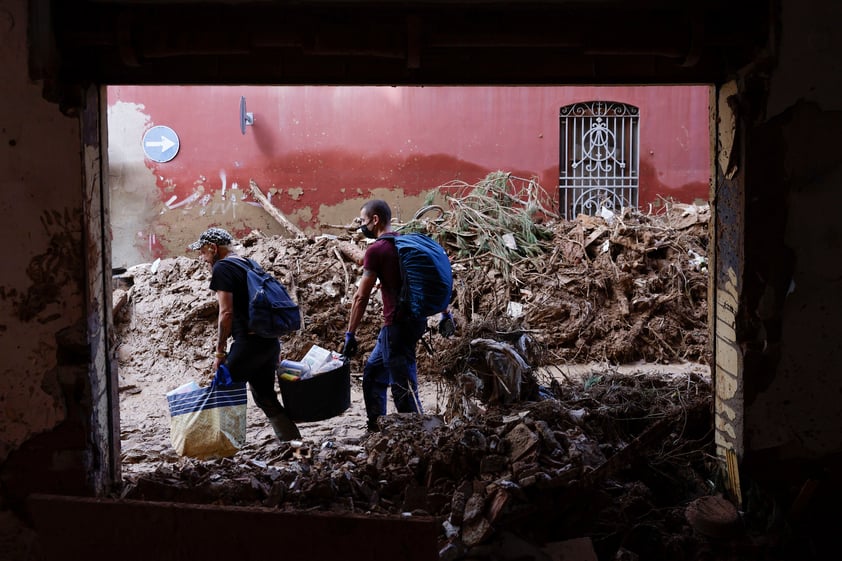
point(518, 438)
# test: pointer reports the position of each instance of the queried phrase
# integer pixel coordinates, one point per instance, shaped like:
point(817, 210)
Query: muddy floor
point(573, 401)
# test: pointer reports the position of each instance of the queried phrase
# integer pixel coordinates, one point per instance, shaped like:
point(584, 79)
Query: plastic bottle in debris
point(300, 369)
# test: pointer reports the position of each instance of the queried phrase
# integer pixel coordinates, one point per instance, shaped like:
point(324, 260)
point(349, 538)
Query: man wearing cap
point(251, 359)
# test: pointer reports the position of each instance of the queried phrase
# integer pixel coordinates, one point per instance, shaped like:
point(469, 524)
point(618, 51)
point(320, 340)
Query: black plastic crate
point(320, 397)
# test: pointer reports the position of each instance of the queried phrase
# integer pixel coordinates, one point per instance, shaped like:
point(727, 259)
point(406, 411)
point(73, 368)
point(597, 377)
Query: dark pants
point(255, 360)
point(392, 362)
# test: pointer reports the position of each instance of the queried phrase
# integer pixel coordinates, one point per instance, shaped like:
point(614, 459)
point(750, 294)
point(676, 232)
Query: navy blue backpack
point(272, 312)
point(426, 274)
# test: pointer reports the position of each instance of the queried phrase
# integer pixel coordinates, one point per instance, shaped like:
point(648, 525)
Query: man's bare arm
point(360, 302)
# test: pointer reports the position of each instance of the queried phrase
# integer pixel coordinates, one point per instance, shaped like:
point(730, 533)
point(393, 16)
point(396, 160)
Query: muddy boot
point(284, 428)
point(371, 425)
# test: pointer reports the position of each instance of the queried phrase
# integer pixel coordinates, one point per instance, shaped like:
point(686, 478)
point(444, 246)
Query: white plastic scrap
point(698, 262)
point(509, 241)
point(514, 310)
point(449, 529)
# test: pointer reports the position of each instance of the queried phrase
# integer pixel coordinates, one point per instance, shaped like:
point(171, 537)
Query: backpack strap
point(245, 263)
point(402, 309)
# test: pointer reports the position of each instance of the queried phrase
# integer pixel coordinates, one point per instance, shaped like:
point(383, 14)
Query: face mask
point(366, 232)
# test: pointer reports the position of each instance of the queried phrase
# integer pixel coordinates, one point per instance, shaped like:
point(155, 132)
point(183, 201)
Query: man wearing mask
point(252, 358)
point(392, 361)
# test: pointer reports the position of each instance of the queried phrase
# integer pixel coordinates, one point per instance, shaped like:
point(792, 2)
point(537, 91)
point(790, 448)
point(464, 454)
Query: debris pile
point(617, 288)
point(616, 456)
point(513, 444)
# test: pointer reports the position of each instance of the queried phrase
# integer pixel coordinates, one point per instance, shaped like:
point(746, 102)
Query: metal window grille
point(598, 157)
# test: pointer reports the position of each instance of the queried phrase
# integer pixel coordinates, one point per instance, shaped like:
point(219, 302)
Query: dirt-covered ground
point(573, 401)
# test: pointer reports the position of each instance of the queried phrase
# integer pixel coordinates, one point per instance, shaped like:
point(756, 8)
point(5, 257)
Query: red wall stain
point(653, 191)
point(331, 177)
point(331, 142)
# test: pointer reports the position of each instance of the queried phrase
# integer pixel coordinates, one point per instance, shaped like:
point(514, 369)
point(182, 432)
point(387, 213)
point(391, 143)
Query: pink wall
point(327, 140)
point(318, 151)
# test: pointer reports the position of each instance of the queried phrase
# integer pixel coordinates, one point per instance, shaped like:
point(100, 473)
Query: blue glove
point(349, 349)
point(447, 326)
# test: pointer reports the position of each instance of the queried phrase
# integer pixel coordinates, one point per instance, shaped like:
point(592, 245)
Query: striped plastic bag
point(209, 422)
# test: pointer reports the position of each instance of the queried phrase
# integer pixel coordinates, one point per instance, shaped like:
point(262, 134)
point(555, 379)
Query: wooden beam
point(274, 212)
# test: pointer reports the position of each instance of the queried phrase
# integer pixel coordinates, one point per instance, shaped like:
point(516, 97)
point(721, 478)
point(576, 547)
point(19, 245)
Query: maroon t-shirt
point(381, 258)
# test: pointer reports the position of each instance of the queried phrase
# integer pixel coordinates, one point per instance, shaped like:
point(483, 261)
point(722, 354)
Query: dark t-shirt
point(230, 277)
point(381, 257)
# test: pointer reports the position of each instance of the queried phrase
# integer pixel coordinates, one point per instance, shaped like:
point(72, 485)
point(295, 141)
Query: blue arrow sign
point(160, 144)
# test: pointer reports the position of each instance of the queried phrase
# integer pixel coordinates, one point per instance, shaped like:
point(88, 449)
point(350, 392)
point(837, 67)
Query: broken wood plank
point(595, 235)
point(274, 212)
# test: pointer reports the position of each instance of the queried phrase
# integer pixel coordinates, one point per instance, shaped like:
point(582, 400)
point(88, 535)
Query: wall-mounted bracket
point(246, 118)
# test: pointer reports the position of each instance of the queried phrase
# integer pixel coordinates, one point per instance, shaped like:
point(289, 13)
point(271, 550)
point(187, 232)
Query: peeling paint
point(728, 413)
point(727, 129)
point(727, 388)
point(316, 149)
point(726, 426)
point(728, 357)
point(725, 333)
point(303, 215)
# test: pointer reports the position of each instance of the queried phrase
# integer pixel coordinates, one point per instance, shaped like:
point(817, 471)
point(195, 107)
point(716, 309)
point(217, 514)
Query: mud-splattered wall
point(44, 385)
point(786, 326)
point(793, 242)
point(41, 291)
point(318, 152)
